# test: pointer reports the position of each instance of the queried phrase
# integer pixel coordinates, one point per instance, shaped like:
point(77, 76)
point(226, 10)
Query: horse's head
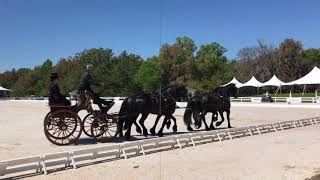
point(177, 91)
point(232, 90)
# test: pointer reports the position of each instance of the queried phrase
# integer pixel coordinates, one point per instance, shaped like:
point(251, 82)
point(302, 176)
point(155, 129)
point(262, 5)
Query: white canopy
point(252, 82)
point(234, 81)
point(313, 77)
point(4, 89)
point(274, 81)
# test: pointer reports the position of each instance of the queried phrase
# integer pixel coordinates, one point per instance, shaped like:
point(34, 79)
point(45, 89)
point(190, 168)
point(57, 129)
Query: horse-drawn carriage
point(63, 126)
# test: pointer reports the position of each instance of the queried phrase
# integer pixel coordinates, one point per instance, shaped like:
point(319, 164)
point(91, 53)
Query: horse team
point(164, 104)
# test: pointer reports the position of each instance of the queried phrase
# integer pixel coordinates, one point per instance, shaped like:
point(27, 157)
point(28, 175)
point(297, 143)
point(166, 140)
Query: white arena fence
point(73, 159)
point(288, 100)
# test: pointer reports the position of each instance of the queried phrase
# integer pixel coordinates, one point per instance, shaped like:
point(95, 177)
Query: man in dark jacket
point(86, 83)
point(55, 97)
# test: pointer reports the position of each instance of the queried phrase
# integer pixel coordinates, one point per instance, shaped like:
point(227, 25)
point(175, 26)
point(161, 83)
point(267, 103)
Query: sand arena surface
point(292, 153)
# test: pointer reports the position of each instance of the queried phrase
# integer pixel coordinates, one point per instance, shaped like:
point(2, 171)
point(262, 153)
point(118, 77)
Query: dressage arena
point(287, 154)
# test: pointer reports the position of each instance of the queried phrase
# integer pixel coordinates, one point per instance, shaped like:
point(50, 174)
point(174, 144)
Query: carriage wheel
point(87, 123)
point(62, 127)
point(104, 128)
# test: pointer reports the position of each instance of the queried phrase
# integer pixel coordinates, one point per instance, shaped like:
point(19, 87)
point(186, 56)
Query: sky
point(32, 31)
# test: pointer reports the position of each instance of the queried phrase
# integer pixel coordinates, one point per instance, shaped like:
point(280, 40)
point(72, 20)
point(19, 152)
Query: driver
point(55, 97)
point(86, 83)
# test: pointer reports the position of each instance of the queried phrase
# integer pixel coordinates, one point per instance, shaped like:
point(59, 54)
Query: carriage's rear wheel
point(62, 127)
point(104, 128)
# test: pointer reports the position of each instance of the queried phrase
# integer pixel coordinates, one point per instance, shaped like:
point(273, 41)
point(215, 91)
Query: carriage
point(63, 126)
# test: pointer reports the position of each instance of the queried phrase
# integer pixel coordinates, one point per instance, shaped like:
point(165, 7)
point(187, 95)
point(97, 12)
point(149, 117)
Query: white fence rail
point(292, 100)
point(71, 159)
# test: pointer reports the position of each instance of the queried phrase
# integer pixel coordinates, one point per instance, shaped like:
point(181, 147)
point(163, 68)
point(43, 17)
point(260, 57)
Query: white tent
point(274, 81)
point(4, 89)
point(253, 82)
point(234, 81)
point(313, 77)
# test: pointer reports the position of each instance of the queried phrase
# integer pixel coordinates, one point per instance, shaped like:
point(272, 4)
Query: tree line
point(182, 62)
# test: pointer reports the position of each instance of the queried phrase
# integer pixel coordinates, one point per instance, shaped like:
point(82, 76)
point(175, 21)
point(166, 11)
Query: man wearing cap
point(55, 97)
point(86, 83)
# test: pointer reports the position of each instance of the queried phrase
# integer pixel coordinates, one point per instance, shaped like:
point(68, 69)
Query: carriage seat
point(57, 106)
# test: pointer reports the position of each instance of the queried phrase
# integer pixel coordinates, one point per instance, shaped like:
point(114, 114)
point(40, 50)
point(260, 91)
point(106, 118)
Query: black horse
point(214, 102)
point(163, 103)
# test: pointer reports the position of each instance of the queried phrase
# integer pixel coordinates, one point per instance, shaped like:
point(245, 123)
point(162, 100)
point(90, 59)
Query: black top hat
point(54, 76)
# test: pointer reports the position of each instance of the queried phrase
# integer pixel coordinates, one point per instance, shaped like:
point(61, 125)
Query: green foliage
point(149, 76)
point(212, 66)
point(178, 63)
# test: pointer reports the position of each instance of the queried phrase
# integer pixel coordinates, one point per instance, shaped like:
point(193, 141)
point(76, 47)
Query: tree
point(312, 57)
point(149, 76)
point(258, 61)
point(212, 65)
point(177, 61)
point(124, 67)
point(290, 60)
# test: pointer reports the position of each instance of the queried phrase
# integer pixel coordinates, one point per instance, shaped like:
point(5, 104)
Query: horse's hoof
point(189, 129)
point(160, 134)
point(197, 126)
point(139, 130)
point(218, 123)
point(212, 127)
point(153, 132)
point(145, 133)
point(168, 124)
point(175, 129)
point(207, 129)
point(230, 127)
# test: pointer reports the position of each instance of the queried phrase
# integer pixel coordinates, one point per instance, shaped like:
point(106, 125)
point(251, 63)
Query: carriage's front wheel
point(62, 127)
point(104, 128)
point(87, 123)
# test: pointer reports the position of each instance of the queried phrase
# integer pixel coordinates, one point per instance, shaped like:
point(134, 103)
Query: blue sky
point(34, 30)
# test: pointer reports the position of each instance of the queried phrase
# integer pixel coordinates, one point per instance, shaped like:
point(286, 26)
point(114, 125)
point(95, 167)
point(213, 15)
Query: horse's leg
point(168, 124)
point(228, 116)
point(128, 132)
point(174, 128)
point(203, 117)
point(141, 122)
point(213, 119)
point(215, 116)
point(160, 132)
point(153, 129)
point(138, 129)
point(222, 119)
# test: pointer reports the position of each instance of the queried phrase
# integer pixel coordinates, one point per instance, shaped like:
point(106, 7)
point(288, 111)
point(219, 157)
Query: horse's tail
point(187, 114)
